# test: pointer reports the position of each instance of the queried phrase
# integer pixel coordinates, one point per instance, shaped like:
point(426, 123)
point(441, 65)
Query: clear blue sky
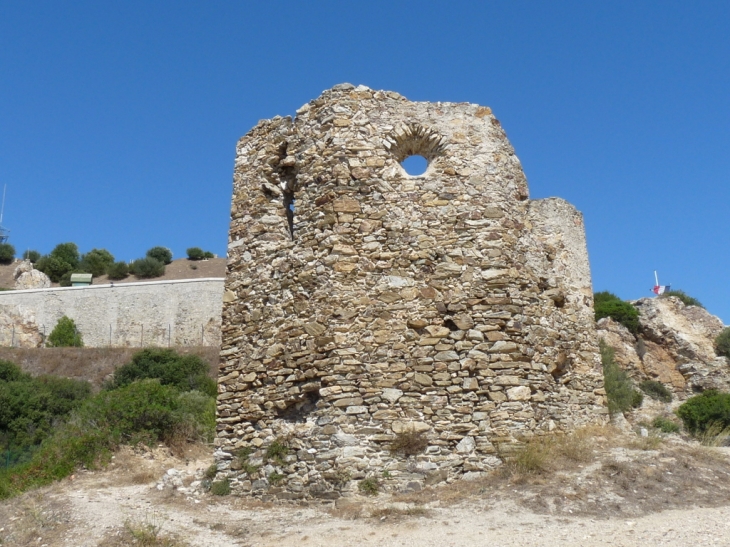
point(118, 120)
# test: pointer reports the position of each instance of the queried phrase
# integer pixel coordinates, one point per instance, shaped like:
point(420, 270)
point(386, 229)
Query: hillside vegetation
point(51, 426)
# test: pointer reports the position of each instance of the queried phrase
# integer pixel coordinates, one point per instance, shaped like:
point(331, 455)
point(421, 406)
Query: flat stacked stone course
point(446, 306)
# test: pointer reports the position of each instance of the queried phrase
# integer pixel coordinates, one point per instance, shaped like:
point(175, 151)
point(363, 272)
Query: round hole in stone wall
point(415, 165)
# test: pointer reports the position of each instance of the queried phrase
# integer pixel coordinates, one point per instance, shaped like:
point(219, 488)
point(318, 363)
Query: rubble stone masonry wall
point(407, 329)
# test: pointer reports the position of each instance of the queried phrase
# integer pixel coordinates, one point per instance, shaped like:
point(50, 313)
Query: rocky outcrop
point(675, 346)
point(26, 277)
point(18, 327)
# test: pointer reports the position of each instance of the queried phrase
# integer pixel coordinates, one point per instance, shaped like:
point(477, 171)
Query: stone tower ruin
point(410, 329)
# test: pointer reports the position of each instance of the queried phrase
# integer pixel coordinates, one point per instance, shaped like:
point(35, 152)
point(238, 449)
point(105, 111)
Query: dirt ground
point(617, 490)
point(177, 269)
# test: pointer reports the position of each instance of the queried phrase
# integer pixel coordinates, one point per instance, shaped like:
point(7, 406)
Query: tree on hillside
point(97, 262)
point(7, 253)
point(64, 258)
point(31, 255)
point(163, 254)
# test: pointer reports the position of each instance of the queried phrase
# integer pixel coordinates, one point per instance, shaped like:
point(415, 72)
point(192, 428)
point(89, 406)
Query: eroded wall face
point(443, 306)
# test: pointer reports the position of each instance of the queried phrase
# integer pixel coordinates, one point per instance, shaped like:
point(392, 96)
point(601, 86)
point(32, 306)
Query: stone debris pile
point(393, 329)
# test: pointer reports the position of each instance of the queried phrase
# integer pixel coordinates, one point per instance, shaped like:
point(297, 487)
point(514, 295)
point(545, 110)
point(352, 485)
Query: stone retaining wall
point(154, 313)
point(395, 328)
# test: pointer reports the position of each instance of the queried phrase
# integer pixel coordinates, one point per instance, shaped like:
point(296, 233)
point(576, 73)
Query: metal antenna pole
point(2, 210)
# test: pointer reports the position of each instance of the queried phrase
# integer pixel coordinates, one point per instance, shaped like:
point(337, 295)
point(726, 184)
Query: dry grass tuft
point(92, 364)
point(715, 435)
point(650, 442)
point(32, 519)
point(409, 442)
point(144, 533)
point(550, 453)
point(398, 513)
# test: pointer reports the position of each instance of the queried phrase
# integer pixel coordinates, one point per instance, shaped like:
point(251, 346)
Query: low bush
point(195, 253)
point(369, 486)
point(607, 304)
point(722, 343)
point(185, 372)
point(142, 412)
point(710, 409)
point(220, 488)
point(656, 390)
point(65, 335)
point(146, 268)
point(31, 407)
point(96, 262)
point(163, 254)
point(31, 255)
point(277, 451)
point(665, 425)
point(620, 391)
point(7, 253)
point(118, 270)
point(684, 297)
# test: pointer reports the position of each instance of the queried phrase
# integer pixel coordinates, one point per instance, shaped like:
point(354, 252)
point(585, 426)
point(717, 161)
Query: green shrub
point(7, 253)
point(607, 304)
point(53, 267)
point(163, 254)
point(31, 407)
point(369, 486)
point(144, 411)
point(277, 451)
point(684, 297)
point(68, 252)
point(97, 262)
point(211, 472)
point(147, 267)
point(195, 253)
point(64, 258)
point(620, 390)
point(711, 409)
point(10, 372)
point(118, 270)
point(31, 255)
point(665, 425)
point(65, 334)
point(722, 343)
point(656, 390)
point(220, 488)
point(185, 372)
point(208, 254)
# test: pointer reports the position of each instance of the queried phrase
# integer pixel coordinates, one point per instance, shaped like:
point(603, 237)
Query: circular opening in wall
point(415, 165)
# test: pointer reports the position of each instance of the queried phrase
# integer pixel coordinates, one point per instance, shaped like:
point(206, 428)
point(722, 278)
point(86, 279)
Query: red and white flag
point(659, 289)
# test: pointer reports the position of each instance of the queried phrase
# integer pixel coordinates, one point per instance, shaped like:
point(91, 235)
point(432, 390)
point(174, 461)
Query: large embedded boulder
point(26, 277)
